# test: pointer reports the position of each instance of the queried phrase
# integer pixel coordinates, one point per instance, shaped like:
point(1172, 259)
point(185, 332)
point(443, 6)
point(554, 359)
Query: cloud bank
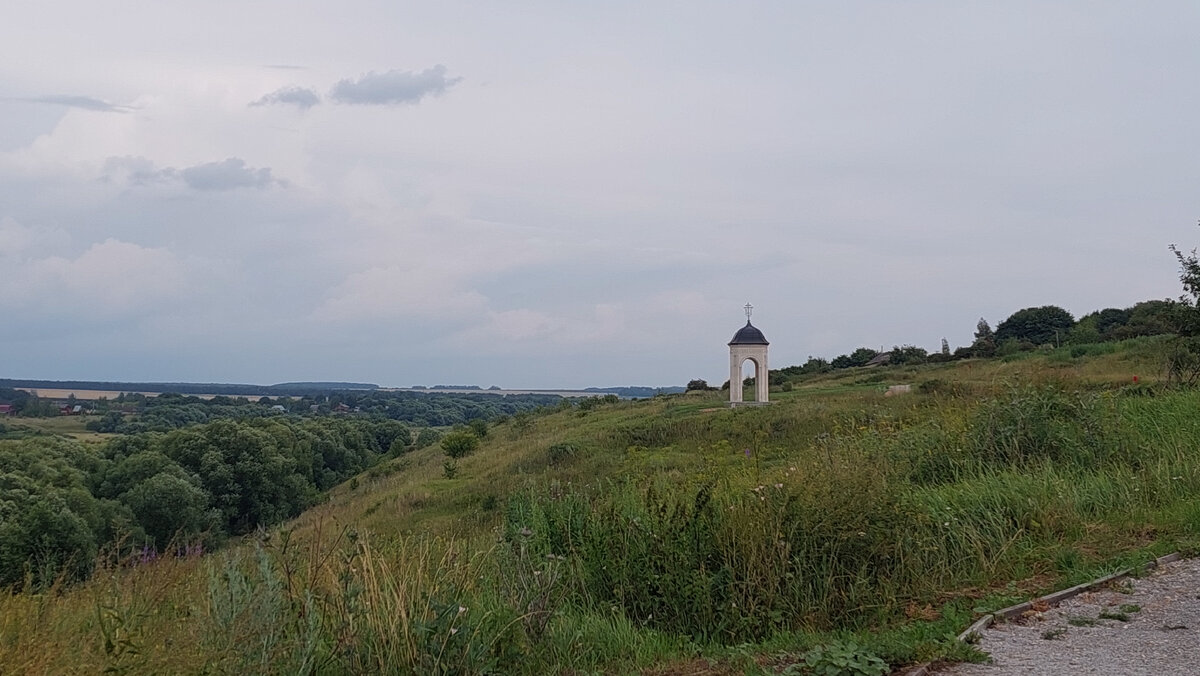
point(393, 87)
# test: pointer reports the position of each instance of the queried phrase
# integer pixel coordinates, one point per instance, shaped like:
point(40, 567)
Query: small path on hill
point(1162, 637)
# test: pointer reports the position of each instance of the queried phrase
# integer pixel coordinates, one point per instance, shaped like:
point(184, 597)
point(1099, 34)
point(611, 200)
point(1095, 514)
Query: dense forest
point(62, 501)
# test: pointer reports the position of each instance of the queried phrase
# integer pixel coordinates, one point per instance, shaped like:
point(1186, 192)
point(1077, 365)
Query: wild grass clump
point(725, 562)
point(1045, 423)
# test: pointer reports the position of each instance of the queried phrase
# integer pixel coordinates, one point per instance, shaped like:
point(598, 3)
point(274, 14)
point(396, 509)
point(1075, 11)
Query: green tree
point(859, 357)
point(1188, 323)
point(478, 427)
point(908, 354)
point(1151, 318)
point(985, 340)
point(1037, 325)
point(459, 443)
point(167, 505)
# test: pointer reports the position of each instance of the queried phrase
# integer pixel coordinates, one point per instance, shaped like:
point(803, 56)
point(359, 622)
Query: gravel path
point(1161, 637)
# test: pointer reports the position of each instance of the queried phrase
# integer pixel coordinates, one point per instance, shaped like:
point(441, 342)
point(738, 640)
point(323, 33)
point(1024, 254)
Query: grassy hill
point(676, 535)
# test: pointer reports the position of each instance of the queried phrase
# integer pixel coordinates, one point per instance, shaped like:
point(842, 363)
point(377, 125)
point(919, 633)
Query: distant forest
point(130, 413)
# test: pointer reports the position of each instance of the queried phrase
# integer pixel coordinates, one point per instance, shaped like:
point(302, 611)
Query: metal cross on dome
point(749, 311)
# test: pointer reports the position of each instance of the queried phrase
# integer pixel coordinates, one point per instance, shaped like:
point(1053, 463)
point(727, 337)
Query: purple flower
point(747, 453)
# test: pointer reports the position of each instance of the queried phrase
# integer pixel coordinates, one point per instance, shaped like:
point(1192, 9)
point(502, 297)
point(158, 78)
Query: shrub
point(427, 437)
point(479, 428)
point(560, 453)
point(459, 443)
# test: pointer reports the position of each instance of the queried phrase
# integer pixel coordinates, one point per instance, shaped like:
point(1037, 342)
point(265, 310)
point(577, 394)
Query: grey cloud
point(295, 96)
point(84, 102)
point(137, 171)
point(393, 87)
point(227, 174)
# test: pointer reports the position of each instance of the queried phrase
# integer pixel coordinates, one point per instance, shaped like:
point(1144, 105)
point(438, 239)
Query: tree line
point(1026, 329)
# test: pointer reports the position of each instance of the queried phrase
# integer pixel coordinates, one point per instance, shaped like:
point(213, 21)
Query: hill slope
point(615, 536)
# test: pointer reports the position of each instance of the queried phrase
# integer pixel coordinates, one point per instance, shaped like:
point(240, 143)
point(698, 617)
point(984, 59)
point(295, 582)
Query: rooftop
point(749, 335)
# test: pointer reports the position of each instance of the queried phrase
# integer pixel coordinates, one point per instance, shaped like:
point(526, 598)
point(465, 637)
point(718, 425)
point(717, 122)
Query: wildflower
point(462, 609)
point(946, 523)
point(747, 452)
point(453, 630)
point(778, 485)
point(525, 531)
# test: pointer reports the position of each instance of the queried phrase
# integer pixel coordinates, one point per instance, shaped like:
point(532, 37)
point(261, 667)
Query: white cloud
point(109, 279)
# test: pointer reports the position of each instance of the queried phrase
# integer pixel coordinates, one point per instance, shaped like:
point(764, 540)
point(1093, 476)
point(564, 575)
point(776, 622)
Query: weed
point(839, 659)
point(1053, 634)
point(1080, 621)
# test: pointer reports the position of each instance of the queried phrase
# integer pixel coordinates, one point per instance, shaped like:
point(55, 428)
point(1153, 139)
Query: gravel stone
point(1161, 638)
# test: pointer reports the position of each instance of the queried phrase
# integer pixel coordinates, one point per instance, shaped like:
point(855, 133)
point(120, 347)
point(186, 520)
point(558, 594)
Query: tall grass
point(872, 522)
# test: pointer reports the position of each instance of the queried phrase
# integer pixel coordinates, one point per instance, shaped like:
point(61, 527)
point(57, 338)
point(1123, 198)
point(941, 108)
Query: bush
point(560, 453)
point(459, 444)
point(479, 428)
point(427, 437)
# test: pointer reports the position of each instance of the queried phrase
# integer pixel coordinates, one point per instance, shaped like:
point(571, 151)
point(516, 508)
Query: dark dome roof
point(749, 335)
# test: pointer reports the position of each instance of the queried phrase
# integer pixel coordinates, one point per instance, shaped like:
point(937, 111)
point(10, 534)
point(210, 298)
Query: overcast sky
point(572, 194)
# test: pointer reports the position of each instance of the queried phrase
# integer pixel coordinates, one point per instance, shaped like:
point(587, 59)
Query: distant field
point(70, 425)
point(92, 395)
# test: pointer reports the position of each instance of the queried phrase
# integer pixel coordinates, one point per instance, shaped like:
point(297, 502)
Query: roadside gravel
point(1161, 637)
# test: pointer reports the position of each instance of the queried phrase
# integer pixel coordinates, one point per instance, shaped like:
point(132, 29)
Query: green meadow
point(836, 528)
